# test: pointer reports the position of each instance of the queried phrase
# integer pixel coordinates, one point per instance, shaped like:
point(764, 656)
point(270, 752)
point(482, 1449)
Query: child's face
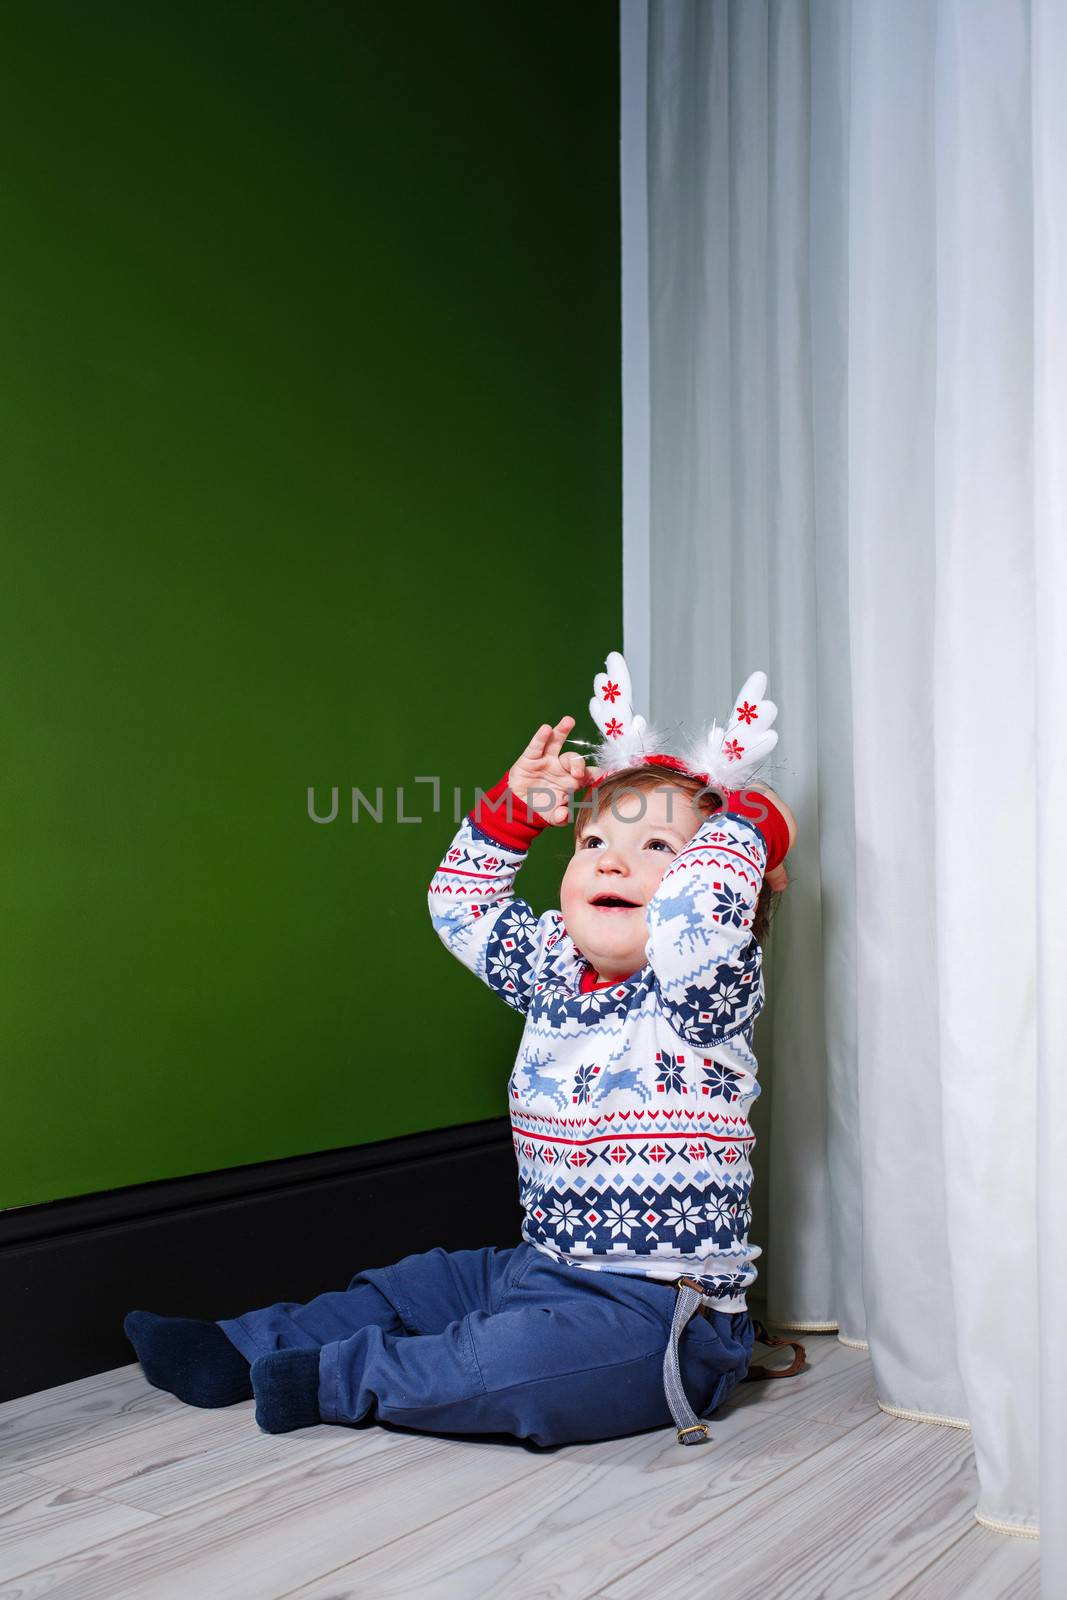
point(623, 854)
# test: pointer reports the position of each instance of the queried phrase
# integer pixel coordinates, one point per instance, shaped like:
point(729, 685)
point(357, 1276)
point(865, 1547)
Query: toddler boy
point(629, 1103)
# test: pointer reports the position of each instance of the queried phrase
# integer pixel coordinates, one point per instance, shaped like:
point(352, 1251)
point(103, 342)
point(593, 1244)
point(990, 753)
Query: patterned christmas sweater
point(629, 1100)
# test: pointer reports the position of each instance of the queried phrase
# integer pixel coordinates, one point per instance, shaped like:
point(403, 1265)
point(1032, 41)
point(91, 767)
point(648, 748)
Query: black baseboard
point(221, 1243)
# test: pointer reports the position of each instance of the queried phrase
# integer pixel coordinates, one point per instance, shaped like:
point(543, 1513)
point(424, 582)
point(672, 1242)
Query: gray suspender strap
point(690, 1429)
point(690, 1299)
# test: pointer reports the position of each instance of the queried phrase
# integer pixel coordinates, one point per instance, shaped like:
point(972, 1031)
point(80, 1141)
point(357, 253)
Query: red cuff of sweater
point(506, 818)
point(758, 808)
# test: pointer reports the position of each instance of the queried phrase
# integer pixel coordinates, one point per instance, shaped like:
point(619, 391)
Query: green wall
point(311, 459)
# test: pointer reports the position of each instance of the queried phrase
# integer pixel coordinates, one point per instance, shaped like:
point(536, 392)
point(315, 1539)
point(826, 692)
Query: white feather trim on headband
point(727, 757)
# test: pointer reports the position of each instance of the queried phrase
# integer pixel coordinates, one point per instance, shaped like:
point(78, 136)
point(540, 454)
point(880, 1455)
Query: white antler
point(732, 754)
point(625, 735)
point(612, 704)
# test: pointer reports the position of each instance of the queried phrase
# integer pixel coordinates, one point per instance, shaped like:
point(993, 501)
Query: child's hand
point(548, 774)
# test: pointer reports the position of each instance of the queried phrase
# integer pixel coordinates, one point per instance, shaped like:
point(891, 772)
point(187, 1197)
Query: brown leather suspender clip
point(799, 1356)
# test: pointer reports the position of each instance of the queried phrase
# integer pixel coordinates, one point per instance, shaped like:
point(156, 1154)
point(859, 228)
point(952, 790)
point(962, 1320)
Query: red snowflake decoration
point(611, 691)
point(747, 712)
point(732, 750)
point(614, 728)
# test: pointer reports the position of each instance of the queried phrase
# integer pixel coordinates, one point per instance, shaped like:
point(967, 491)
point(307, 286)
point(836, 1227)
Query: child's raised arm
point(703, 953)
point(471, 898)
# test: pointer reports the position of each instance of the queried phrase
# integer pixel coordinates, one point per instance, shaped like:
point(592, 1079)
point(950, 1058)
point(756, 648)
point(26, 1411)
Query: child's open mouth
point(613, 902)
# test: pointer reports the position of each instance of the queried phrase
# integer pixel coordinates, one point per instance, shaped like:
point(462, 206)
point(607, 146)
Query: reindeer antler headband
point(726, 757)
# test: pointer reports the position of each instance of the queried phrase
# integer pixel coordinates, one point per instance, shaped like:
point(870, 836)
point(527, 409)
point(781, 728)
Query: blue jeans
point(502, 1341)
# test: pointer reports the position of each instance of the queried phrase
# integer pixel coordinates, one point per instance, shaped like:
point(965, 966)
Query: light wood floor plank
point(836, 1386)
point(36, 1516)
point(260, 1541)
point(187, 1456)
point(570, 1529)
point(856, 1522)
point(61, 1420)
point(982, 1565)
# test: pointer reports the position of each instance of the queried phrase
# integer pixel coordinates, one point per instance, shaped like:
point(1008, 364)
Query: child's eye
point(591, 838)
point(663, 842)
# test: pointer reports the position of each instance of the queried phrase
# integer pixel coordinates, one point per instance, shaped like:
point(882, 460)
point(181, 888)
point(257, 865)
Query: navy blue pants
point(502, 1341)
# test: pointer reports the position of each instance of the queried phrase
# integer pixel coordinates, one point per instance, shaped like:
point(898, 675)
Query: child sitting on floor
point(629, 1104)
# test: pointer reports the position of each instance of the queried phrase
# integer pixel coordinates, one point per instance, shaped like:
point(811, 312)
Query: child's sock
point(191, 1359)
point(286, 1385)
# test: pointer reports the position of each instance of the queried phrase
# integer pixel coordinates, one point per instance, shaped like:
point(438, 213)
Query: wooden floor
point(112, 1490)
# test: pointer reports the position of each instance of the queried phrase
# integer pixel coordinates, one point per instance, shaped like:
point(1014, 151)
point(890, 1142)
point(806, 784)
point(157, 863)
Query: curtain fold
point(857, 388)
point(1048, 55)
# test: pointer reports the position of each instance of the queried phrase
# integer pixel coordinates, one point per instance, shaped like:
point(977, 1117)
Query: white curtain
point(845, 371)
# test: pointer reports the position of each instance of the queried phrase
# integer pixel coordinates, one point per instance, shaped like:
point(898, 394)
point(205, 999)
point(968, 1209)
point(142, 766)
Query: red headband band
point(673, 762)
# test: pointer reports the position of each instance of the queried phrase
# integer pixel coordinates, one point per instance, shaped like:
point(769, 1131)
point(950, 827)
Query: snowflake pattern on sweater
point(629, 1103)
